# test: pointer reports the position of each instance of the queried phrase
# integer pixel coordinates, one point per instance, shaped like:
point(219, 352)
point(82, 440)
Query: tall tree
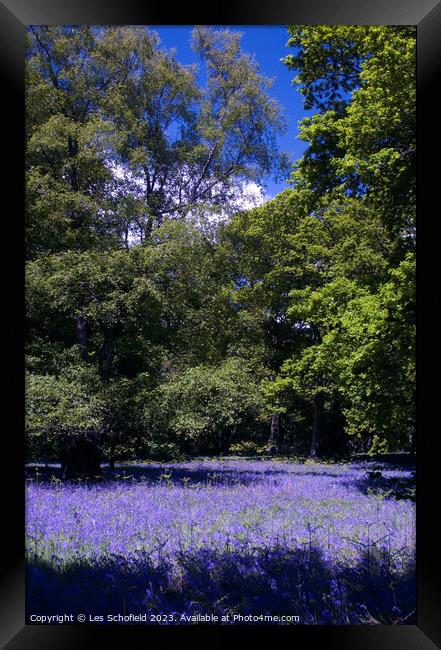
point(361, 147)
point(362, 140)
point(122, 137)
point(68, 184)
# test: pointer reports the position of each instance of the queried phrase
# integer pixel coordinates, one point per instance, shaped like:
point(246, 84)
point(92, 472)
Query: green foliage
point(246, 448)
point(205, 404)
point(376, 361)
point(362, 141)
point(294, 321)
point(63, 405)
point(120, 137)
point(68, 184)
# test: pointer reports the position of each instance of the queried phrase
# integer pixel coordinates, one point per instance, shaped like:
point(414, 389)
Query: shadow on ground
point(370, 477)
point(275, 581)
point(168, 473)
point(388, 487)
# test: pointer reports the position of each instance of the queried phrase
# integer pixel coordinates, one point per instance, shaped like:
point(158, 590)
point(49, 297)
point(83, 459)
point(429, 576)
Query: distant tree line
point(286, 328)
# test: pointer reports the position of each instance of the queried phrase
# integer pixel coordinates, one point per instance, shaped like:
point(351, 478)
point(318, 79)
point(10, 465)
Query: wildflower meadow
point(314, 543)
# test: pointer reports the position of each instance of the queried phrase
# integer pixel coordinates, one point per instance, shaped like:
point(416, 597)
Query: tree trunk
point(315, 434)
point(220, 443)
point(81, 333)
point(76, 216)
point(72, 146)
point(413, 443)
point(46, 451)
point(227, 438)
point(106, 353)
point(112, 450)
point(274, 438)
point(80, 458)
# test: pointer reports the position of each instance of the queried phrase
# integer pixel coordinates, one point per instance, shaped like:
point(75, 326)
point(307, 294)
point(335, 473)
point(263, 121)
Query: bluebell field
point(331, 544)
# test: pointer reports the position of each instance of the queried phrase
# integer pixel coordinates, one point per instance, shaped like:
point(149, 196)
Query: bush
point(247, 448)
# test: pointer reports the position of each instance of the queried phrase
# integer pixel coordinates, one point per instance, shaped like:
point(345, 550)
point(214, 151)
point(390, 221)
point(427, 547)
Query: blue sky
point(268, 45)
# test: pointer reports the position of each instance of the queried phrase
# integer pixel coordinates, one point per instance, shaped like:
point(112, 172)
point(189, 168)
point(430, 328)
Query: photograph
point(220, 325)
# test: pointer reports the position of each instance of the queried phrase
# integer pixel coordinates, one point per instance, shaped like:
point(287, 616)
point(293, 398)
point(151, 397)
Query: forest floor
point(318, 543)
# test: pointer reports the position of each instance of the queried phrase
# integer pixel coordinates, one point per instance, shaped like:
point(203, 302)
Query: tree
point(362, 140)
point(312, 369)
point(356, 187)
point(262, 268)
point(374, 352)
point(121, 137)
point(294, 277)
point(361, 350)
point(290, 273)
point(64, 413)
point(68, 183)
point(133, 316)
point(203, 406)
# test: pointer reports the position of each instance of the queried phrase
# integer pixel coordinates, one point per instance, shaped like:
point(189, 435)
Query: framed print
point(218, 266)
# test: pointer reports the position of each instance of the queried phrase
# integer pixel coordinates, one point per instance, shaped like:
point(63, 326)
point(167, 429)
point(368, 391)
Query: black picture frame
point(15, 15)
